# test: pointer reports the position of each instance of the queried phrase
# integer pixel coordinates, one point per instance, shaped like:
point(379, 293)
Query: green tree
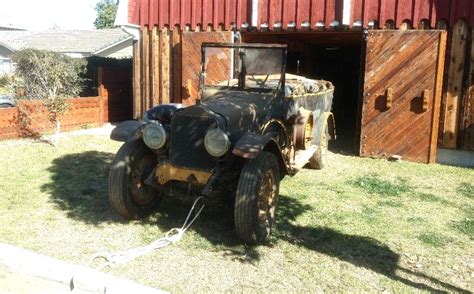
point(50, 77)
point(106, 11)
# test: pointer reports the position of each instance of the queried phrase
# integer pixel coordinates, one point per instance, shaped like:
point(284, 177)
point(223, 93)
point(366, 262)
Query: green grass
point(374, 185)
point(433, 239)
point(359, 225)
point(466, 189)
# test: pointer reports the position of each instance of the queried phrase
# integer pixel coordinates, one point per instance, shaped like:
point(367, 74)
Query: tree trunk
point(57, 129)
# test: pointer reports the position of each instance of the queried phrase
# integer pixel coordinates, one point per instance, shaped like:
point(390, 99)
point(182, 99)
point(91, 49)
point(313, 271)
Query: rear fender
point(327, 118)
point(251, 145)
point(128, 131)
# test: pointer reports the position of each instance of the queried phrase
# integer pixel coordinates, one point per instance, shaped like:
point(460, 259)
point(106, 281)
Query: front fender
point(251, 145)
point(128, 131)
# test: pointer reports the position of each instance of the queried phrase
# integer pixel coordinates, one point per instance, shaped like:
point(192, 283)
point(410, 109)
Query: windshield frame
point(205, 45)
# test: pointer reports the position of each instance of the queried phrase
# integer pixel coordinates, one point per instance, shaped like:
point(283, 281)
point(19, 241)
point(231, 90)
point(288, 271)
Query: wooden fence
point(30, 118)
point(457, 109)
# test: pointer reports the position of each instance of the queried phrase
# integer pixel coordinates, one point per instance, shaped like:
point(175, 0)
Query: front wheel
point(256, 198)
point(128, 193)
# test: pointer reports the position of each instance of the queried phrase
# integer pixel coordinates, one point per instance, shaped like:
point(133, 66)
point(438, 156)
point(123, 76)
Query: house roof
point(85, 42)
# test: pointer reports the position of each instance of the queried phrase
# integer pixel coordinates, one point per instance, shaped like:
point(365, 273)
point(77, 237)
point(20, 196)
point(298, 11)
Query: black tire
point(318, 160)
point(128, 194)
point(253, 217)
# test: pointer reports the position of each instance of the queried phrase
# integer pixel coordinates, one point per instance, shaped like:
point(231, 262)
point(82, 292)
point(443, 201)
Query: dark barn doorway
point(332, 56)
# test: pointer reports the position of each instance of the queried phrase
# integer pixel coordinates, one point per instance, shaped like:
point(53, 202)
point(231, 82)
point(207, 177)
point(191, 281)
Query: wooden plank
point(318, 8)
point(102, 94)
point(164, 13)
point(81, 111)
point(244, 10)
point(145, 44)
point(219, 13)
point(165, 65)
point(406, 62)
point(191, 61)
point(176, 66)
point(356, 11)
point(437, 96)
point(289, 12)
point(421, 12)
point(330, 12)
point(207, 6)
point(186, 9)
point(454, 84)
point(197, 13)
point(404, 12)
point(371, 8)
point(136, 81)
point(467, 117)
point(155, 66)
point(387, 12)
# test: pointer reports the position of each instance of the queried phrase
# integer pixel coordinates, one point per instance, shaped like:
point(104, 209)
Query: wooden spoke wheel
point(256, 198)
point(128, 193)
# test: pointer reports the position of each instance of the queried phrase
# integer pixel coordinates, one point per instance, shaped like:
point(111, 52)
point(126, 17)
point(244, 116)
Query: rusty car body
point(254, 124)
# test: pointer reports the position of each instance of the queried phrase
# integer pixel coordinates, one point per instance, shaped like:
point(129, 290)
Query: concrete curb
point(72, 276)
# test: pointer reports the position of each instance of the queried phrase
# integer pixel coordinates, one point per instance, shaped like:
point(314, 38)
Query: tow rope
point(171, 237)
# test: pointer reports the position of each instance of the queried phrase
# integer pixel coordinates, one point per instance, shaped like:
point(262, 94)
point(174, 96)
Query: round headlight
point(216, 142)
point(154, 136)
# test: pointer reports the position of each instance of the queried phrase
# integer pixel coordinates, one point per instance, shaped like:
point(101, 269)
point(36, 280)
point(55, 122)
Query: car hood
point(242, 111)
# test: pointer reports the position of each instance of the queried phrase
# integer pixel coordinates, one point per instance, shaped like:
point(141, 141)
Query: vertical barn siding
point(228, 12)
point(233, 12)
point(412, 10)
point(192, 13)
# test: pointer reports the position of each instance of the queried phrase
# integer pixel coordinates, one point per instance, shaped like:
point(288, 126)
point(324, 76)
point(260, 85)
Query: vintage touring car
point(253, 125)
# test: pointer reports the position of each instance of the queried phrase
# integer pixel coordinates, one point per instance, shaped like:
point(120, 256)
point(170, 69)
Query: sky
point(40, 15)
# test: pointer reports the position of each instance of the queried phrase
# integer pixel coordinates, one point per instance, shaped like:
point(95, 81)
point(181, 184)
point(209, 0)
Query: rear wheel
point(318, 160)
point(256, 198)
point(128, 193)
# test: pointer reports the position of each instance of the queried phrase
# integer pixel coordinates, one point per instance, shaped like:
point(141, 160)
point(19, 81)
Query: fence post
point(100, 73)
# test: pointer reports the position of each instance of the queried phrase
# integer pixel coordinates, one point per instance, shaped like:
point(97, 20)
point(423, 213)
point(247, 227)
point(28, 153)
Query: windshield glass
point(243, 68)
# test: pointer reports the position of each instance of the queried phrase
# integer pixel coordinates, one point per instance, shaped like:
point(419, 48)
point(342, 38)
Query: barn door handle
point(389, 95)
point(425, 95)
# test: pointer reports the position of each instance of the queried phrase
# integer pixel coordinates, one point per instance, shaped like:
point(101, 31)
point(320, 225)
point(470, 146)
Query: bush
point(50, 77)
point(5, 80)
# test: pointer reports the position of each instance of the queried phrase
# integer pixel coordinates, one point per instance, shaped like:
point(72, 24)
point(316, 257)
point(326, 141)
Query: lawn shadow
point(215, 224)
point(359, 250)
point(79, 186)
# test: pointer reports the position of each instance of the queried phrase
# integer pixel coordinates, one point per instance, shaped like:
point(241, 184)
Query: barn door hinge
point(389, 98)
point(425, 96)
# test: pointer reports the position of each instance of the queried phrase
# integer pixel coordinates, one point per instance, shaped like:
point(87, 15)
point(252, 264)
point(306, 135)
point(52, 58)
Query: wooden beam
point(176, 65)
point(467, 115)
point(102, 92)
point(155, 66)
point(146, 70)
point(454, 84)
point(137, 96)
point(165, 65)
point(437, 97)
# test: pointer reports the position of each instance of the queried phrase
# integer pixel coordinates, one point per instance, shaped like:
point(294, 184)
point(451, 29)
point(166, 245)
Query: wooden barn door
point(191, 60)
point(402, 93)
